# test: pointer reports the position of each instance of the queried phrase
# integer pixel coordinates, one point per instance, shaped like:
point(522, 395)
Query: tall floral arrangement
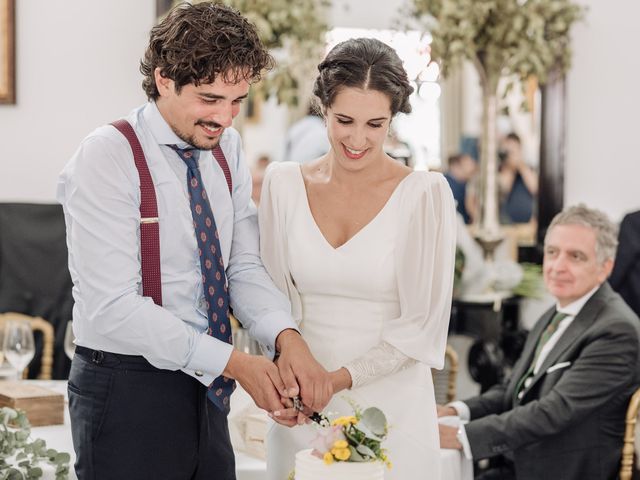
point(294, 32)
point(502, 38)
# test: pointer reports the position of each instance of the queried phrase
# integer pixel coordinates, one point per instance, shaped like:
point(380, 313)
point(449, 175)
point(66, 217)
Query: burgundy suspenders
point(222, 161)
point(149, 227)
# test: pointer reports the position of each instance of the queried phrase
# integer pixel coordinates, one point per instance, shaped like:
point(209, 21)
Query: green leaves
point(502, 37)
point(375, 421)
point(25, 456)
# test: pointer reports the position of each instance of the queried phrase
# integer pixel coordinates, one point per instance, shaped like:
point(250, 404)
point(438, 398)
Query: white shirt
point(571, 310)
point(306, 140)
point(100, 192)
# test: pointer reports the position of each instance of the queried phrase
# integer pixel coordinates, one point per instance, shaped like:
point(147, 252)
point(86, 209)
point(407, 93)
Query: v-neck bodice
point(363, 229)
point(361, 268)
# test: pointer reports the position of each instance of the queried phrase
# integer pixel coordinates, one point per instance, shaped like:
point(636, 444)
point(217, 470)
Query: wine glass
point(69, 337)
point(18, 344)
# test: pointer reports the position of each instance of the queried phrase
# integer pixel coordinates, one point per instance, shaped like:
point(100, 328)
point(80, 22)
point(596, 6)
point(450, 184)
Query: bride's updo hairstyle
point(364, 63)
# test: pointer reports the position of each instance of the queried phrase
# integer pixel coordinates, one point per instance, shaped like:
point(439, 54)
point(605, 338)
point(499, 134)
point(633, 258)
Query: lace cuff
point(383, 359)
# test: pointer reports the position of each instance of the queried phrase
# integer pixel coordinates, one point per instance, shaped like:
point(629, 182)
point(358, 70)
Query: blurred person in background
point(306, 139)
point(461, 170)
point(517, 182)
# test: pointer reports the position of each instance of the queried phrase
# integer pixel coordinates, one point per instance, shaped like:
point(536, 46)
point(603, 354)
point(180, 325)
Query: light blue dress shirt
point(99, 190)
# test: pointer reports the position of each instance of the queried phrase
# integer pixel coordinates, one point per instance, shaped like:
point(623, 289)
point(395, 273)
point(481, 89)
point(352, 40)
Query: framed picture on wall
point(7, 51)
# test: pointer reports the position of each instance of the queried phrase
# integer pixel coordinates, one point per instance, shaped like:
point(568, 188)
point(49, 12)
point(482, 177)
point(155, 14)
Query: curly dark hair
point(197, 43)
point(364, 63)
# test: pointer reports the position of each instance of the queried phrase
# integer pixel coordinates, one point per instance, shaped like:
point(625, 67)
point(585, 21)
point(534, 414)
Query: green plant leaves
point(503, 37)
point(375, 421)
point(15, 432)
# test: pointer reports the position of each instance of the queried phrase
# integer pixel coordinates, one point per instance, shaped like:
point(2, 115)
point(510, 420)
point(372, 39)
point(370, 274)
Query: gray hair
point(606, 231)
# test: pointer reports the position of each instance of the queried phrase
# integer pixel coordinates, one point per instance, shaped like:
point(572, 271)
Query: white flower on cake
point(349, 449)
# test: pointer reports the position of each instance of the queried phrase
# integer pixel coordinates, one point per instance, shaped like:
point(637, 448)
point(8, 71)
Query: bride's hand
point(288, 415)
point(340, 379)
point(301, 373)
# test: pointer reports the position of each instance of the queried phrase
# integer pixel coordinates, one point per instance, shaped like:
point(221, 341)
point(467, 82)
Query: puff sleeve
point(272, 218)
point(424, 275)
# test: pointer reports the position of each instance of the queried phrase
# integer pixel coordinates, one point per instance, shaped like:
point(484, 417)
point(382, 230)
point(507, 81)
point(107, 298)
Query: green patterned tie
point(544, 338)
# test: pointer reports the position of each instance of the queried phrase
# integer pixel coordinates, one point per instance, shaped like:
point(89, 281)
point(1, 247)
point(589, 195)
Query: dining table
point(248, 467)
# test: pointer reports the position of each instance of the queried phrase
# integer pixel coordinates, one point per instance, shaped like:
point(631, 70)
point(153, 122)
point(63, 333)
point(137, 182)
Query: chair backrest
point(37, 324)
point(628, 449)
point(444, 381)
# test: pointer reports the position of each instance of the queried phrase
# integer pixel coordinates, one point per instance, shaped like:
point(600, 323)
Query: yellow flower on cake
point(354, 439)
point(341, 444)
point(345, 421)
point(341, 454)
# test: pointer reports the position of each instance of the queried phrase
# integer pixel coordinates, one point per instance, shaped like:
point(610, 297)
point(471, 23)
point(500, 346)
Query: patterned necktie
point(214, 279)
point(544, 338)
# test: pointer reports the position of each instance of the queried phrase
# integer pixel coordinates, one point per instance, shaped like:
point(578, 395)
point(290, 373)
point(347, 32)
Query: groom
point(160, 247)
point(561, 414)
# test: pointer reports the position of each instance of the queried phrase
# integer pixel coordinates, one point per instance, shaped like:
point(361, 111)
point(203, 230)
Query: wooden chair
point(41, 325)
point(444, 381)
point(628, 450)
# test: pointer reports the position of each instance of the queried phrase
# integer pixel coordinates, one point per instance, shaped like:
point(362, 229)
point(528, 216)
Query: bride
point(364, 248)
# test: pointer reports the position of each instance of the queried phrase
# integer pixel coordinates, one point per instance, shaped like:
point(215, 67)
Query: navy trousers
point(130, 420)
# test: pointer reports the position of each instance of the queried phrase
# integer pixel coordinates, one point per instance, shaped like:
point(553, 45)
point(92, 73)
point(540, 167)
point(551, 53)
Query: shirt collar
point(574, 307)
point(159, 127)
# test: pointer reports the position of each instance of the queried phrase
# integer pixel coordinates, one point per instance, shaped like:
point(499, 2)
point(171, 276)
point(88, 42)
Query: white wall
point(77, 68)
point(603, 151)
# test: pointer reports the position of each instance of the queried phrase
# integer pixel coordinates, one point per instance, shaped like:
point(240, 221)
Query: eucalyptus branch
point(26, 455)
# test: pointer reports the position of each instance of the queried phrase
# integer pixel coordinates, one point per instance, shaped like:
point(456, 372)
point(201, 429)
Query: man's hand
point(449, 437)
point(446, 411)
point(301, 373)
point(260, 379)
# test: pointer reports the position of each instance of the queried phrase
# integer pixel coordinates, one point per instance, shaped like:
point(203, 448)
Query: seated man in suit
point(561, 413)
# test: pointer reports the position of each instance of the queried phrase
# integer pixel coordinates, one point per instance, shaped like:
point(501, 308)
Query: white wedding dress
point(378, 305)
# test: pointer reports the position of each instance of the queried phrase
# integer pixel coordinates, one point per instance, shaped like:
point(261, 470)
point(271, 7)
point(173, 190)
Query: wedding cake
point(310, 467)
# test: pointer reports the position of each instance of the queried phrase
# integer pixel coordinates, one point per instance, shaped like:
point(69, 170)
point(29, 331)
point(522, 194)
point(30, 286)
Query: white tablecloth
point(454, 466)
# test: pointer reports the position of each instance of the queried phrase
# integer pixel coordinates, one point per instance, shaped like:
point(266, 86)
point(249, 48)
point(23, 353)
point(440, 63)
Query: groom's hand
point(301, 373)
point(259, 377)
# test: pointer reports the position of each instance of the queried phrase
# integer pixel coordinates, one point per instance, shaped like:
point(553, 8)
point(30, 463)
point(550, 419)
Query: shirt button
point(198, 373)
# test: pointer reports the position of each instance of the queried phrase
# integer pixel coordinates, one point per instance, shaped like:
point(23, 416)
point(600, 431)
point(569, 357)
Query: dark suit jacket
point(569, 424)
point(625, 277)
